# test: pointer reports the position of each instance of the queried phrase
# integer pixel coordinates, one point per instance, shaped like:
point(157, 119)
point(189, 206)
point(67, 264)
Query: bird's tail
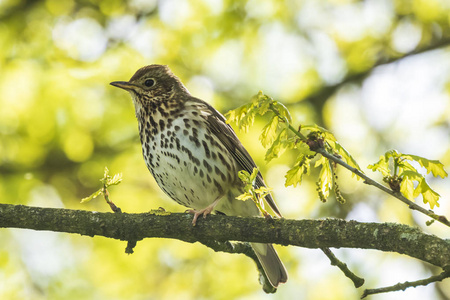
point(271, 263)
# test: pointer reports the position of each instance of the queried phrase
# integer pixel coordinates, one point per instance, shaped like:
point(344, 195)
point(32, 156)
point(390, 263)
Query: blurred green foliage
point(61, 124)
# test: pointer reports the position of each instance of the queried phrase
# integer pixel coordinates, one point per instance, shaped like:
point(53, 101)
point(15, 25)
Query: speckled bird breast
point(187, 161)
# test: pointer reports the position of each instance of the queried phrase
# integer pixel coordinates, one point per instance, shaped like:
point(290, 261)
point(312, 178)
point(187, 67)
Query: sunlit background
point(345, 65)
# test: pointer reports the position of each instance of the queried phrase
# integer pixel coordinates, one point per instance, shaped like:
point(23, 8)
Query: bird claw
point(197, 213)
point(205, 211)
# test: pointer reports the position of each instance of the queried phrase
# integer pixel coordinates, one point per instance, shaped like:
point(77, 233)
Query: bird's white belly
point(184, 169)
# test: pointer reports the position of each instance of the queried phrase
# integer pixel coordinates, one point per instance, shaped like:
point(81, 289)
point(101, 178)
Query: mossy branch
point(336, 233)
point(319, 234)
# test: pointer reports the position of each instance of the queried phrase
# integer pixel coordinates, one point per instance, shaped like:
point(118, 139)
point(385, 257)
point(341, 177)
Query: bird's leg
point(205, 211)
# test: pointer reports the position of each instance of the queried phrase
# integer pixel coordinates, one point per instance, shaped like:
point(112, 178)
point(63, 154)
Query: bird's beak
point(124, 85)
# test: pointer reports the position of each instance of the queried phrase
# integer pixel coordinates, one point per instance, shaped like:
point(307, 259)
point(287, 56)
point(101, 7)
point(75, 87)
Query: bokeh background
point(375, 72)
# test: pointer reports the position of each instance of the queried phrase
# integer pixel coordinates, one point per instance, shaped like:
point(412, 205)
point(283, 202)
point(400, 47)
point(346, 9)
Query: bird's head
point(151, 83)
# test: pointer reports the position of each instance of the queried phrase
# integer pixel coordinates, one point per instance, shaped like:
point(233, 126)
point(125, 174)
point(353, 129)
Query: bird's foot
point(205, 211)
point(197, 213)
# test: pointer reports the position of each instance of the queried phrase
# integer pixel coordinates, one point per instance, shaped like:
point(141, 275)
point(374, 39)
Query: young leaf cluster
point(319, 137)
point(275, 135)
point(279, 135)
point(252, 193)
point(244, 116)
point(403, 177)
point(107, 181)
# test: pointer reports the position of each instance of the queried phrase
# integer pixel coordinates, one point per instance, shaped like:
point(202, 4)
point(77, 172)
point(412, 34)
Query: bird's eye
point(149, 83)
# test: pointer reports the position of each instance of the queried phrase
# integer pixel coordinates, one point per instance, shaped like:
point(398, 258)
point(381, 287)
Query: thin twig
point(357, 281)
point(113, 207)
point(403, 286)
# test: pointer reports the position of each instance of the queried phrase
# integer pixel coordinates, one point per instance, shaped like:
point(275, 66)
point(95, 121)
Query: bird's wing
point(224, 132)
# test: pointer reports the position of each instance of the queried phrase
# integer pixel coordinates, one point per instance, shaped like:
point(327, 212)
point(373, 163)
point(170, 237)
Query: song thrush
point(193, 154)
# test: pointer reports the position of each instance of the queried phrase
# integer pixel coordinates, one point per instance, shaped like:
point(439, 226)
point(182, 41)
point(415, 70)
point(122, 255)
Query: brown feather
point(229, 139)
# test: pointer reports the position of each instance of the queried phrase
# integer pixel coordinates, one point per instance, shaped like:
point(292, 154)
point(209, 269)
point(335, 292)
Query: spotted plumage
point(193, 154)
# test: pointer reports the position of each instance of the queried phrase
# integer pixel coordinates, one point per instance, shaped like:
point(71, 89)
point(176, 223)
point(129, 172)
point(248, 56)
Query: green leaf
point(253, 176)
point(301, 166)
point(295, 174)
point(391, 153)
point(428, 194)
point(244, 196)
point(269, 132)
point(263, 103)
point(317, 128)
point(244, 176)
point(283, 111)
point(433, 166)
point(381, 166)
point(108, 181)
point(263, 191)
point(246, 121)
point(278, 146)
point(404, 165)
point(104, 180)
point(411, 175)
point(431, 197)
point(321, 161)
point(92, 196)
point(242, 116)
point(115, 180)
point(407, 188)
point(343, 153)
point(248, 179)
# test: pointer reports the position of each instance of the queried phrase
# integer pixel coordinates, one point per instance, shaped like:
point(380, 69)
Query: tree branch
point(304, 233)
point(399, 196)
point(403, 286)
point(367, 180)
point(370, 181)
point(357, 281)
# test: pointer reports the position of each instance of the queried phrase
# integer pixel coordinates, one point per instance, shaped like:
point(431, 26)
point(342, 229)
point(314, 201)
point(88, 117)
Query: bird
point(194, 154)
